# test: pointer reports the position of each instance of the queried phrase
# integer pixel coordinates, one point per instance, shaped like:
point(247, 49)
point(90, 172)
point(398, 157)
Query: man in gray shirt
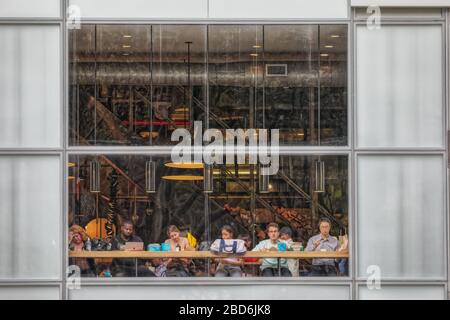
point(323, 242)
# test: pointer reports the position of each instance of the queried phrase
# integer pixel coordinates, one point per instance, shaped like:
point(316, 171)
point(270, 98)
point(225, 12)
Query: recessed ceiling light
point(324, 54)
point(329, 46)
point(257, 46)
point(126, 46)
point(335, 36)
point(254, 54)
point(125, 54)
point(127, 36)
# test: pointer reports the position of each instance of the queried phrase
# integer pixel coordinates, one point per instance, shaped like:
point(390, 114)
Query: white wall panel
point(399, 86)
point(30, 292)
point(403, 292)
point(30, 8)
point(401, 216)
point(30, 86)
point(214, 292)
point(30, 217)
point(292, 9)
point(141, 9)
point(401, 3)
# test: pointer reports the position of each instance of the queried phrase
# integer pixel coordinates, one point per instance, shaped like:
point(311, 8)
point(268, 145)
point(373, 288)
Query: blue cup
point(281, 246)
point(154, 247)
point(165, 247)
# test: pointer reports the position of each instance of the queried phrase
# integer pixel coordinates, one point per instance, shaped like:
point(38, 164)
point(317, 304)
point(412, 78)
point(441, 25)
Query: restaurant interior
point(133, 85)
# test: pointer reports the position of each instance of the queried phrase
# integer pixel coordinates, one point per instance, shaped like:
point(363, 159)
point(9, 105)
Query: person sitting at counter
point(323, 242)
point(293, 264)
point(249, 267)
point(177, 267)
point(230, 267)
point(77, 242)
point(123, 267)
point(269, 266)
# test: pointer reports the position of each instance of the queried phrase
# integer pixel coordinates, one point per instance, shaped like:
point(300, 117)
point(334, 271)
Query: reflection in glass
point(134, 85)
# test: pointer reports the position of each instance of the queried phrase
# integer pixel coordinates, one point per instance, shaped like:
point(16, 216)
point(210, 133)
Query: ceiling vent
point(276, 70)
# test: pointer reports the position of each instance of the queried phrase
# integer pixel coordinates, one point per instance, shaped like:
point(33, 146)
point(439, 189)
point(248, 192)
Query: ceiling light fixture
point(184, 165)
point(94, 176)
point(208, 186)
point(126, 46)
point(183, 178)
point(335, 36)
point(263, 180)
point(320, 176)
point(329, 46)
point(150, 177)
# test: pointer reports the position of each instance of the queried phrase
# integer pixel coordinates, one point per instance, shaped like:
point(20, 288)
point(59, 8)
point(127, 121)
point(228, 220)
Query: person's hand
point(317, 243)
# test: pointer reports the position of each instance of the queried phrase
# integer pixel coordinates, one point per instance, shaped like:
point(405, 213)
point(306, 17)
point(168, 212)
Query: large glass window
point(108, 191)
point(134, 85)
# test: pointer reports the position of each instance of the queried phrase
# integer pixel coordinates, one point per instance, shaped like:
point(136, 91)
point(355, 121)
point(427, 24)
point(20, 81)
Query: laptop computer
point(134, 246)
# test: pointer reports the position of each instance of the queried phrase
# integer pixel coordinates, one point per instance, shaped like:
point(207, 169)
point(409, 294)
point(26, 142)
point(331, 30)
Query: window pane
point(295, 198)
point(179, 79)
point(30, 206)
point(399, 101)
point(30, 62)
point(401, 225)
point(134, 85)
point(235, 75)
point(110, 65)
point(315, 62)
point(148, 81)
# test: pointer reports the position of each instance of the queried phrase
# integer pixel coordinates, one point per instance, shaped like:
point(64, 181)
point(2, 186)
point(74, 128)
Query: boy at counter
point(269, 266)
point(293, 264)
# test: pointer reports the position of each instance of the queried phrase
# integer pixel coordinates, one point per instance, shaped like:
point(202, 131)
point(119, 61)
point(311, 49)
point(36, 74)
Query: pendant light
point(263, 179)
point(320, 176)
point(208, 184)
point(94, 176)
point(150, 177)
